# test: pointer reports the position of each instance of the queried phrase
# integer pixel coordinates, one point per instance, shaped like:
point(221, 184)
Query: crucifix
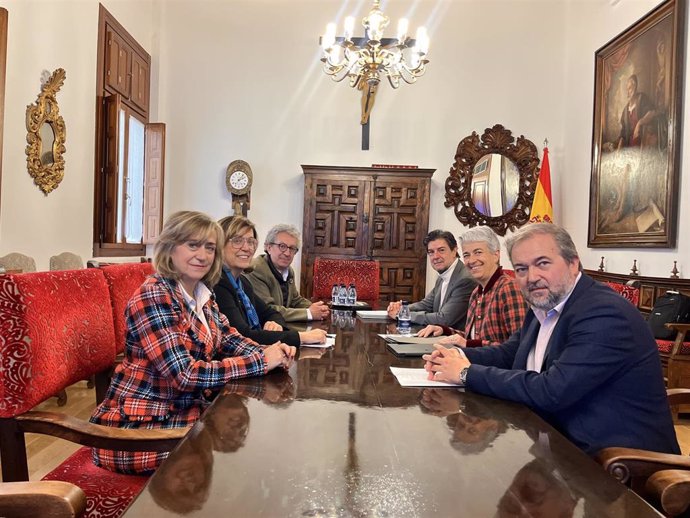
point(368, 89)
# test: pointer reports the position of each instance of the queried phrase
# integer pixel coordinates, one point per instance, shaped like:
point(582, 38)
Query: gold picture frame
point(46, 136)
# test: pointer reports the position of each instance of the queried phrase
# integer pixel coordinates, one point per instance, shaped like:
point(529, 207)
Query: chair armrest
point(83, 432)
point(672, 488)
point(678, 396)
point(627, 463)
point(49, 499)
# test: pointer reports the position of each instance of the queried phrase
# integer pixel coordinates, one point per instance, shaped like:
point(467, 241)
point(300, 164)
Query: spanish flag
point(542, 208)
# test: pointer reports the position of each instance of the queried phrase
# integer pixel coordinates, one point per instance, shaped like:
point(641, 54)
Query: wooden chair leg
point(61, 397)
point(91, 382)
point(672, 488)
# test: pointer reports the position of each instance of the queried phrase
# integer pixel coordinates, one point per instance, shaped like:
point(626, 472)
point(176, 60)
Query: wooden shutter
point(113, 105)
point(154, 166)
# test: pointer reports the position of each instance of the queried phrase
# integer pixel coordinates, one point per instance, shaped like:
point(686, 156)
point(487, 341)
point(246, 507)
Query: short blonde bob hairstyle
point(185, 226)
point(234, 226)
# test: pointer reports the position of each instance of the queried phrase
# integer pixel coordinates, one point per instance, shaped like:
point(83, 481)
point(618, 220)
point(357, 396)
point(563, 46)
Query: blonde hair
point(184, 226)
point(235, 225)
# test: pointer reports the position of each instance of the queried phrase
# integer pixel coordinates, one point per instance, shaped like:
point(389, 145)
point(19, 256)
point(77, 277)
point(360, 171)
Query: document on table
point(330, 342)
point(418, 378)
point(372, 314)
point(410, 339)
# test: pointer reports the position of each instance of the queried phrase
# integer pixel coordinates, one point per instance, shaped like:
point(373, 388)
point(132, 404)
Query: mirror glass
point(495, 184)
point(493, 179)
point(47, 141)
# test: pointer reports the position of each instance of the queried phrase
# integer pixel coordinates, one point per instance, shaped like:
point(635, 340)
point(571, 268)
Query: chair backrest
point(123, 279)
point(66, 261)
point(365, 275)
point(632, 293)
point(56, 328)
point(17, 261)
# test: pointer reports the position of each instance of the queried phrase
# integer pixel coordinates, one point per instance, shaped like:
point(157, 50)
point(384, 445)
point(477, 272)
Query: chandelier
point(365, 60)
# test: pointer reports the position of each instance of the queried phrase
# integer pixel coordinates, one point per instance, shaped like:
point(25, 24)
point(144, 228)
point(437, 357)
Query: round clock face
point(239, 180)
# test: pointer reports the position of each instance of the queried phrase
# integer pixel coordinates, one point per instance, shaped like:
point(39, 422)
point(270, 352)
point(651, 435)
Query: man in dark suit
point(584, 359)
point(446, 304)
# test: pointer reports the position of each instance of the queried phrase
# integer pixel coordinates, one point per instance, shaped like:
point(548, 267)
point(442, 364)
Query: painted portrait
point(633, 194)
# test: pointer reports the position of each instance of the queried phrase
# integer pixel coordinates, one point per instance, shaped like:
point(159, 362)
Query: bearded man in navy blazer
point(584, 359)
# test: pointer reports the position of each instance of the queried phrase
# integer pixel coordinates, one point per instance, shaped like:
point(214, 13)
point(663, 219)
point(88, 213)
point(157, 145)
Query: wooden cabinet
point(368, 213)
point(127, 71)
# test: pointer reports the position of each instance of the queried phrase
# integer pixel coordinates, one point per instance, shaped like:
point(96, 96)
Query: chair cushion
point(630, 293)
point(56, 328)
point(665, 346)
point(107, 493)
point(123, 279)
point(365, 275)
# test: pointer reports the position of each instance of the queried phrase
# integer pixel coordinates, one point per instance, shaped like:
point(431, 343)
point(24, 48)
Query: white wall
point(240, 79)
point(248, 85)
point(48, 35)
point(592, 24)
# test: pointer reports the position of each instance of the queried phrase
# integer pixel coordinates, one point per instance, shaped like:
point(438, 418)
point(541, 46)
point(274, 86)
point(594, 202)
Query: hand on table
point(279, 354)
point(394, 308)
point(445, 364)
point(430, 330)
point(313, 336)
point(319, 311)
point(272, 326)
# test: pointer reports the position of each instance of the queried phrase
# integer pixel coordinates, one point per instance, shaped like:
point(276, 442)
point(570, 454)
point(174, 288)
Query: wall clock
point(238, 180)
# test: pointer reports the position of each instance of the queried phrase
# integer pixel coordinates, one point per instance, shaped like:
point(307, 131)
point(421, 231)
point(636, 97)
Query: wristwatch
point(463, 375)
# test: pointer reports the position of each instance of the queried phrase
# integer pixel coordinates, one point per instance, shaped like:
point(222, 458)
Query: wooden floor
point(45, 453)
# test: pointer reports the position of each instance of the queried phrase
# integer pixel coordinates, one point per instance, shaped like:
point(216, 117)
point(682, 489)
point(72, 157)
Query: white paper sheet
point(330, 342)
point(417, 378)
point(372, 314)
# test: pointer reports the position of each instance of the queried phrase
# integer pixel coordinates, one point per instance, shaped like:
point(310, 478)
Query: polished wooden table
point(338, 437)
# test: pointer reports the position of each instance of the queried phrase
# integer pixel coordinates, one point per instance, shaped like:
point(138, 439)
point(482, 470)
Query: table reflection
point(336, 436)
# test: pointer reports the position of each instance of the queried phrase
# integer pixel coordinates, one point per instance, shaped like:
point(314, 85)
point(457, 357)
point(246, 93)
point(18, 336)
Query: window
point(130, 151)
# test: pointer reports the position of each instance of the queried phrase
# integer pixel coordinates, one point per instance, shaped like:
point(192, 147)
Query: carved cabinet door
point(399, 222)
point(368, 213)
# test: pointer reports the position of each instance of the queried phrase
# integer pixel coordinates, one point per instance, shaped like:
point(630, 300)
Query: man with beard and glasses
point(584, 359)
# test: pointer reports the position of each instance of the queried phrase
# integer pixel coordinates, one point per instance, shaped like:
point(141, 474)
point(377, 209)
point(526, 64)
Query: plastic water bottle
point(342, 295)
point(404, 319)
point(334, 294)
point(352, 294)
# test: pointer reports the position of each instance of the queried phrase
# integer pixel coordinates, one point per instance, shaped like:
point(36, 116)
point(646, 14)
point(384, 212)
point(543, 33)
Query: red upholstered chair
point(57, 328)
point(123, 279)
point(365, 275)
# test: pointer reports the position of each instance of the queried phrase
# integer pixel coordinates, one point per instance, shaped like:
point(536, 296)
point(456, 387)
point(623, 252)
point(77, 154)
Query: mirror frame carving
point(499, 140)
point(46, 111)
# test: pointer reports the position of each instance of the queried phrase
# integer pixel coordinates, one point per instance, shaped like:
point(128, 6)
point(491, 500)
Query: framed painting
point(638, 88)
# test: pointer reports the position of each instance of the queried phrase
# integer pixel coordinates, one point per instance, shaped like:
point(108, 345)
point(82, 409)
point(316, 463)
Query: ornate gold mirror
point(46, 136)
point(493, 179)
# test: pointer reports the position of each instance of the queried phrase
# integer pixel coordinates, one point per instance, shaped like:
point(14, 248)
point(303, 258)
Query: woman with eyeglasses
point(246, 312)
point(179, 347)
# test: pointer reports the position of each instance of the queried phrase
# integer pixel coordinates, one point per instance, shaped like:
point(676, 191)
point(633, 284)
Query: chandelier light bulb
point(349, 27)
point(403, 25)
point(328, 39)
point(422, 40)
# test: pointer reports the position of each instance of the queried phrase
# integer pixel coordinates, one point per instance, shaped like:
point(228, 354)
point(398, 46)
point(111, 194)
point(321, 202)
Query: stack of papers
point(382, 314)
point(418, 378)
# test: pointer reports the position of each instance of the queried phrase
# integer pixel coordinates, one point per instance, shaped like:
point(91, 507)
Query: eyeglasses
point(284, 248)
point(196, 245)
point(238, 242)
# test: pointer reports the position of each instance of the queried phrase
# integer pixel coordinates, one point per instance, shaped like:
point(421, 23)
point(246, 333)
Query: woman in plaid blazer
point(496, 309)
point(179, 347)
